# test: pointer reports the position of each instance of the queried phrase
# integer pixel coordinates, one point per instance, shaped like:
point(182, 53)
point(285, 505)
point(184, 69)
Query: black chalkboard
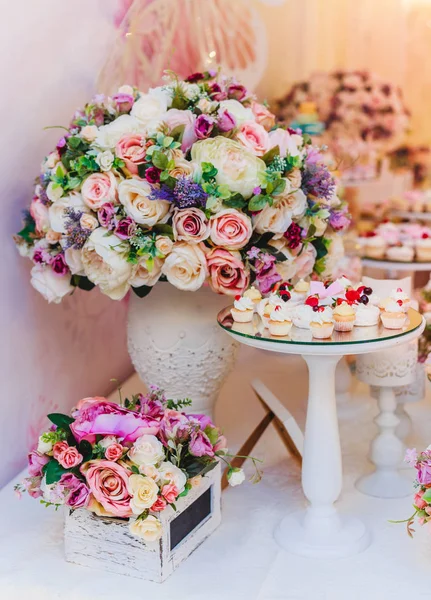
point(188, 520)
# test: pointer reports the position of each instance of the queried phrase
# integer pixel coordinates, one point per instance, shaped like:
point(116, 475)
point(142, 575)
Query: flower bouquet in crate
point(143, 466)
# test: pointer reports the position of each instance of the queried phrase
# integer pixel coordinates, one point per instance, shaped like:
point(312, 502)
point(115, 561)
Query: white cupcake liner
point(279, 328)
point(322, 332)
point(393, 322)
point(241, 316)
point(343, 325)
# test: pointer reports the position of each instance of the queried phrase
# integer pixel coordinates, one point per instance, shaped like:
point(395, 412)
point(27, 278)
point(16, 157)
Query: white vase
point(174, 342)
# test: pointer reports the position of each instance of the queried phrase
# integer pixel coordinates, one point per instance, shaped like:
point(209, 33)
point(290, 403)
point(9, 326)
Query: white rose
point(238, 168)
point(239, 112)
point(191, 90)
point(43, 447)
point(150, 108)
point(53, 191)
point(172, 474)
point(105, 264)
point(73, 259)
point(144, 491)
point(206, 106)
point(320, 226)
point(134, 195)
point(185, 267)
point(89, 133)
point(147, 450)
point(149, 529)
point(53, 287)
point(144, 276)
point(105, 160)
point(57, 212)
point(150, 471)
point(107, 441)
point(236, 477)
point(126, 89)
point(109, 135)
point(50, 161)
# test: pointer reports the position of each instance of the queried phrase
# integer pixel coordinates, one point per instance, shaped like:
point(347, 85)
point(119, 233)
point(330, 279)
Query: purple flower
point(264, 263)
point(61, 145)
point(339, 219)
point(216, 93)
point(317, 181)
point(76, 236)
point(35, 463)
point(266, 282)
point(124, 102)
point(39, 256)
point(186, 193)
point(204, 126)
point(424, 473)
point(152, 175)
point(294, 236)
point(58, 264)
point(106, 214)
point(200, 445)
point(151, 408)
point(226, 121)
point(253, 252)
point(237, 91)
point(174, 425)
point(125, 228)
point(194, 77)
point(411, 456)
point(77, 493)
point(202, 420)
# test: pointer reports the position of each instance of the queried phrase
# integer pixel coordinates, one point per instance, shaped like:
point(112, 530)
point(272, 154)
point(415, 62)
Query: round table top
point(360, 340)
point(411, 215)
point(396, 265)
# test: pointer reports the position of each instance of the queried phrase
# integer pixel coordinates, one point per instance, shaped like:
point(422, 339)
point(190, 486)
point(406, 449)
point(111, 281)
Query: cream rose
point(57, 212)
point(144, 491)
point(238, 168)
point(52, 286)
point(286, 268)
point(147, 450)
point(89, 133)
point(105, 264)
point(294, 178)
point(134, 195)
point(105, 160)
point(142, 275)
point(184, 168)
point(109, 135)
point(54, 191)
point(190, 225)
point(98, 189)
point(238, 110)
point(164, 244)
point(149, 529)
point(172, 474)
point(231, 229)
point(185, 267)
point(87, 221)
point(295, 201)
point(275, 219)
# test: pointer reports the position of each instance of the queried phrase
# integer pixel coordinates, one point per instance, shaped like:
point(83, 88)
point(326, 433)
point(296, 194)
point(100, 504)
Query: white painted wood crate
point(107, 543)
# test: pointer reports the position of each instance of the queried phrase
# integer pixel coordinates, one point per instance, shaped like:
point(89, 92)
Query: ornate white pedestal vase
point(174, 342)
point(387, 371)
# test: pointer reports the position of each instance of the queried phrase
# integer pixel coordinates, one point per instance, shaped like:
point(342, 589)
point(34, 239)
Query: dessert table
point(410, 215)
point(321, 531)
point(395, 266)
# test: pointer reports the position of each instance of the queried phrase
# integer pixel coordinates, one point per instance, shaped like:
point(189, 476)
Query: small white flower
point(43, 447)
point(105, 160)
point(54, 193)
point(235, 477)
point(108, 441)
point(126, 89)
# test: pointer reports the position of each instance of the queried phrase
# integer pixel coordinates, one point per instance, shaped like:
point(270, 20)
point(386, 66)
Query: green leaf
point(62, 421)
point(178, 132)
point(164, 229)
point(53, 471)
point(167, 141)
point(427, 495)
point(141, 170)
point(257, 203)
point(235, 201)
point(187, 489)
point(28, 231)
point(142, 291)
point(86, 449)
point(311, 231)
point(159, 160)
point(263, 240)
point(279, 187)
point(179, 102)
point(270, 155)
point(82, 282)
point(74, 142)
point(135, 469)
point(321, 249)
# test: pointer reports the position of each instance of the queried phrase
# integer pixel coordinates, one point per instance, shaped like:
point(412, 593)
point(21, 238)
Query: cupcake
point(375, 247)
point(400, 253)
point(254, 295)
point(393, 316)
point(300, 291)
point(398, 294)
point(423, 248)
point(322, 323)
point(243, 309)
point(367, 315)
point(344, 317)
point(279, 323)
point(302, 315)
point(267, 305)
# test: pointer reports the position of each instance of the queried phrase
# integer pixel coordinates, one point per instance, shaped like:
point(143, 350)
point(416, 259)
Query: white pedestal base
point(336, 537)
point(385, 484)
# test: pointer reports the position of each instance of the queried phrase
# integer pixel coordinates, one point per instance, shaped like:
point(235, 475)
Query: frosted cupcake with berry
point(367, 313)
point(300, 291)
point(303, 313)
point(375, 247)
point(267, 305)
point(423, 248)
point(254, 295)
point(322, 323)
point(399, 294)
point(243, 309)
point(344, 316)
point(400, 253)
point(393, 316)
point(279, 323)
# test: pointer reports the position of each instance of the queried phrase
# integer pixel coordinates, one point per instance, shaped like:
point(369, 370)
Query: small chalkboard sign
point(189, 519)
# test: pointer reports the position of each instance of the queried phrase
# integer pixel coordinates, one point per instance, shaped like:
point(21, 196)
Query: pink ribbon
point(325, 293)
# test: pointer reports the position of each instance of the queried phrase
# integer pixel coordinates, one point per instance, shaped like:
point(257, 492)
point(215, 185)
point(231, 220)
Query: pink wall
point(50, 355)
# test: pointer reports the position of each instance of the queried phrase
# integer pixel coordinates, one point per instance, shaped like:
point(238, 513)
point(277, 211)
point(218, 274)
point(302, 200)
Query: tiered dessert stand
point(321, 531)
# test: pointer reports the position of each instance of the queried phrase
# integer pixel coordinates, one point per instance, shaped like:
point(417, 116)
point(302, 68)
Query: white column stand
point(321, 531)
point(404, 427)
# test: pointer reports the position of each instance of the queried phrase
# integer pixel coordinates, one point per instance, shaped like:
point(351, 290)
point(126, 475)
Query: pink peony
point(107, 481)
point(77, 493)
point(132, 149)
point(190, 225)
point(114, 452)
point(200, 445)
point(100, 417)
point(177, 118)
point(174, 425)
point(227, 272)
point(40, 214)
point(169, 492)
point(262, 115)
point(159, 505)
point(98, 189)
point(35, 463)
point(59, 448)
point(70, 458)
point(424, 473)
point(230, 229)
point(254, 137)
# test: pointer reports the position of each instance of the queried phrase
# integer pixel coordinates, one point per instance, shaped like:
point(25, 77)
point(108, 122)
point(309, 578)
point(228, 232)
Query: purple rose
point(203, 126)
point(424, 473)
point(58, 264)
point(237, 91)
point(226, 121)
point(174, 425)
point(266, 282)
point(339, 219)
point(35, 463)
point(125, 228)
point(124, 102)
point(152, 175)
point(216, 93)
point(38, 256)
point(105, 215)
point(77, 493)
point(200, 445)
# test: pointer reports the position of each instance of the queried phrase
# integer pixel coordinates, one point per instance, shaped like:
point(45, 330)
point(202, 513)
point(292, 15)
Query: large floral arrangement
point(361, 111)
point(129, 461)
point(192, 182)
point(422, 500)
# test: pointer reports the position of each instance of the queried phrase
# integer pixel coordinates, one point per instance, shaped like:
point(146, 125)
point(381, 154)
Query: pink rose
point(159, 505)
point(190, 225)
point(77, 493)
point(90, 400)
point(227, 272)
point(99, 188)
point(200, 444)
point(419, 501)
point(305, 262)
point(230, 229)
point(288, 143)
point(40, 214)
point(100, 417)
point(132, 149)
point(35, 463)
point(114, 452)
point(70, 458)
point(177, 118)
point(59, 448)
point(169, 492)
point(254, 137)
point(262, 115)
point(107, 481)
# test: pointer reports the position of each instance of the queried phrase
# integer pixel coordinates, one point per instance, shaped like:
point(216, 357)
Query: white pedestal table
point(321, 531)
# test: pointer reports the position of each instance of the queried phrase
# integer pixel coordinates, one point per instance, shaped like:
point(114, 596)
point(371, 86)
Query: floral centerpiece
point(127, 461)
point(192, 182)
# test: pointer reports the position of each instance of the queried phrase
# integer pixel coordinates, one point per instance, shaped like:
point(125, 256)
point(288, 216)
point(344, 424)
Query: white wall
point(50, 356)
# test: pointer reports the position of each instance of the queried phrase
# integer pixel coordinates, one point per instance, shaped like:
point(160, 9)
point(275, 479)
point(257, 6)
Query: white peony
point(150, 108)
point(57, 212)
point(147, 450)
point(236, 477)
point(134, 195)
point(238, 168)
point(275, 219)
point(186, 267)
point(172, 474)
point(53, 287)
point(110, 134)
point(73, 259)
point(239, 112)
point(105, 263)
